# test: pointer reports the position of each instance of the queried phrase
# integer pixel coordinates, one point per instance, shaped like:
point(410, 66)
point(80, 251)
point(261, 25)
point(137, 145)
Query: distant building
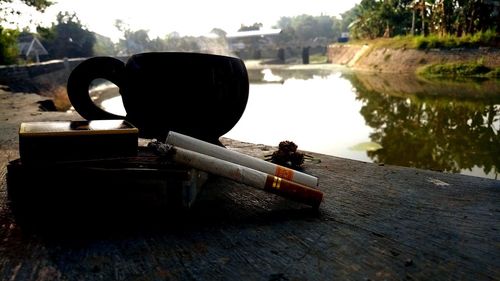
point(253, 43)
point(254, 33)
point(30, 48)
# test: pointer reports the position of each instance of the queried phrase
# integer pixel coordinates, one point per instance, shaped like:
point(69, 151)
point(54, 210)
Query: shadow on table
point(80, 211)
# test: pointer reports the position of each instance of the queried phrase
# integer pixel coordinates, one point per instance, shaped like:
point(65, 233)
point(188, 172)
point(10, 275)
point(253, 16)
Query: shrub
point(455, 69)
point(8, 46)
point(420, 42)
point(60, 98)
point(495, 73)
point(481, 38)
point(318, 58)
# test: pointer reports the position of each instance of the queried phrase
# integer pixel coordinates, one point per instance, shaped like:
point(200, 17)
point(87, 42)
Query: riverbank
point(369, 57)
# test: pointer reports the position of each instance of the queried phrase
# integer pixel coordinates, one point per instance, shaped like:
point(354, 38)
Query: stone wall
point(37, 78)
point(342, 53)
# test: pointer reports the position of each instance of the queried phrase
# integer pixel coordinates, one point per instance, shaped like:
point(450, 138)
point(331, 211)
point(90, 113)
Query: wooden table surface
point(375, 223)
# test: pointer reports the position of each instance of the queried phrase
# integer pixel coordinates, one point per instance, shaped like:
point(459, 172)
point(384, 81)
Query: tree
point(328, 27)
point(375, 18)
point(67, 38)
point(219, 32)
point(8, 37)
point(103, 46)
point(39, 5)
point(157, 45)
point(347, 18)
point(368, 23)
point(304, 30)
point(255, 26)
point(133, 42)
point(8, 46)
point(136, 42)
point(476, 15)
point(6, 10)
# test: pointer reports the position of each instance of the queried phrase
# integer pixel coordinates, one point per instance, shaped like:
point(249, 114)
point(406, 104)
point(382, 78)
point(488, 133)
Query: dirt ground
point(16, 108)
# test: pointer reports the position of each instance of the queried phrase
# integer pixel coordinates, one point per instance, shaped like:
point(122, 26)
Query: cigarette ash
point(160, 148)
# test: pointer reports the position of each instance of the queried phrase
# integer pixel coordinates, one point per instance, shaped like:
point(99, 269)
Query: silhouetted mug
point(197, 94)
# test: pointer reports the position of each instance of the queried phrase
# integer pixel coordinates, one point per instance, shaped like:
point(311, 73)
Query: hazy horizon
point(186, 17)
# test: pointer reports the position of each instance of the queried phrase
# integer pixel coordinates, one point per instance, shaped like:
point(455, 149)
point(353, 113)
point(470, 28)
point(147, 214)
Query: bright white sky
point(188, 17)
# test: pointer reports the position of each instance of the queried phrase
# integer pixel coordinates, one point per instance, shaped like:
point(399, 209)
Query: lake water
point(449, 126)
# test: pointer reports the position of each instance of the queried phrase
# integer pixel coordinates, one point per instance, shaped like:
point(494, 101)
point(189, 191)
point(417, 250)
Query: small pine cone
point(297, 159)
point(288, 146)
point(279, 157)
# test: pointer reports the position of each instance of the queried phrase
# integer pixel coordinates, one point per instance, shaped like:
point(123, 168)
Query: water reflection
point(315, 108)
point(450, 126)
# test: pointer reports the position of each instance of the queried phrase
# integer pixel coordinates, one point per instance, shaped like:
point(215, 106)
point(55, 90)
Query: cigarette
point(190, 143)
point(242, 174)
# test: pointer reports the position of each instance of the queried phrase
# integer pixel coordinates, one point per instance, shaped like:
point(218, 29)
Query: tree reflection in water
point(453, 129)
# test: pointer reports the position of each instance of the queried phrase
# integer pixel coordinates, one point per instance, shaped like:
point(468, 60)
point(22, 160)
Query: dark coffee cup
point(201, 95)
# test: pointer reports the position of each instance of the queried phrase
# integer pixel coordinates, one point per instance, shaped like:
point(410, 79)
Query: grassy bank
point(475, 55)
point(487, 38)
point(471, 69)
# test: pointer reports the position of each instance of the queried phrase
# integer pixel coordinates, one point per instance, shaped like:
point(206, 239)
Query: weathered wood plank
point(376, 223)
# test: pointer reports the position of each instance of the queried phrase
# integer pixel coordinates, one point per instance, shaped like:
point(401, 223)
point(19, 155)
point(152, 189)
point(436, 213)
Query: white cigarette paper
point(245, 175)
point(190, 143)
point(219, 167)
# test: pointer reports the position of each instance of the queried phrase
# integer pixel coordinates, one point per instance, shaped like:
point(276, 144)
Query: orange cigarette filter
point(294, 191)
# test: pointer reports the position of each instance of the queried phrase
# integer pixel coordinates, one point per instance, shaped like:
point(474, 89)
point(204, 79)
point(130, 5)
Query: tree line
point(387, 18)
point(68, 37)
point(369, 19)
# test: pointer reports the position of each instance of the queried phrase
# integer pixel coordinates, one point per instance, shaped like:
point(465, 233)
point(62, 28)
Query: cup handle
point(80, 78)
